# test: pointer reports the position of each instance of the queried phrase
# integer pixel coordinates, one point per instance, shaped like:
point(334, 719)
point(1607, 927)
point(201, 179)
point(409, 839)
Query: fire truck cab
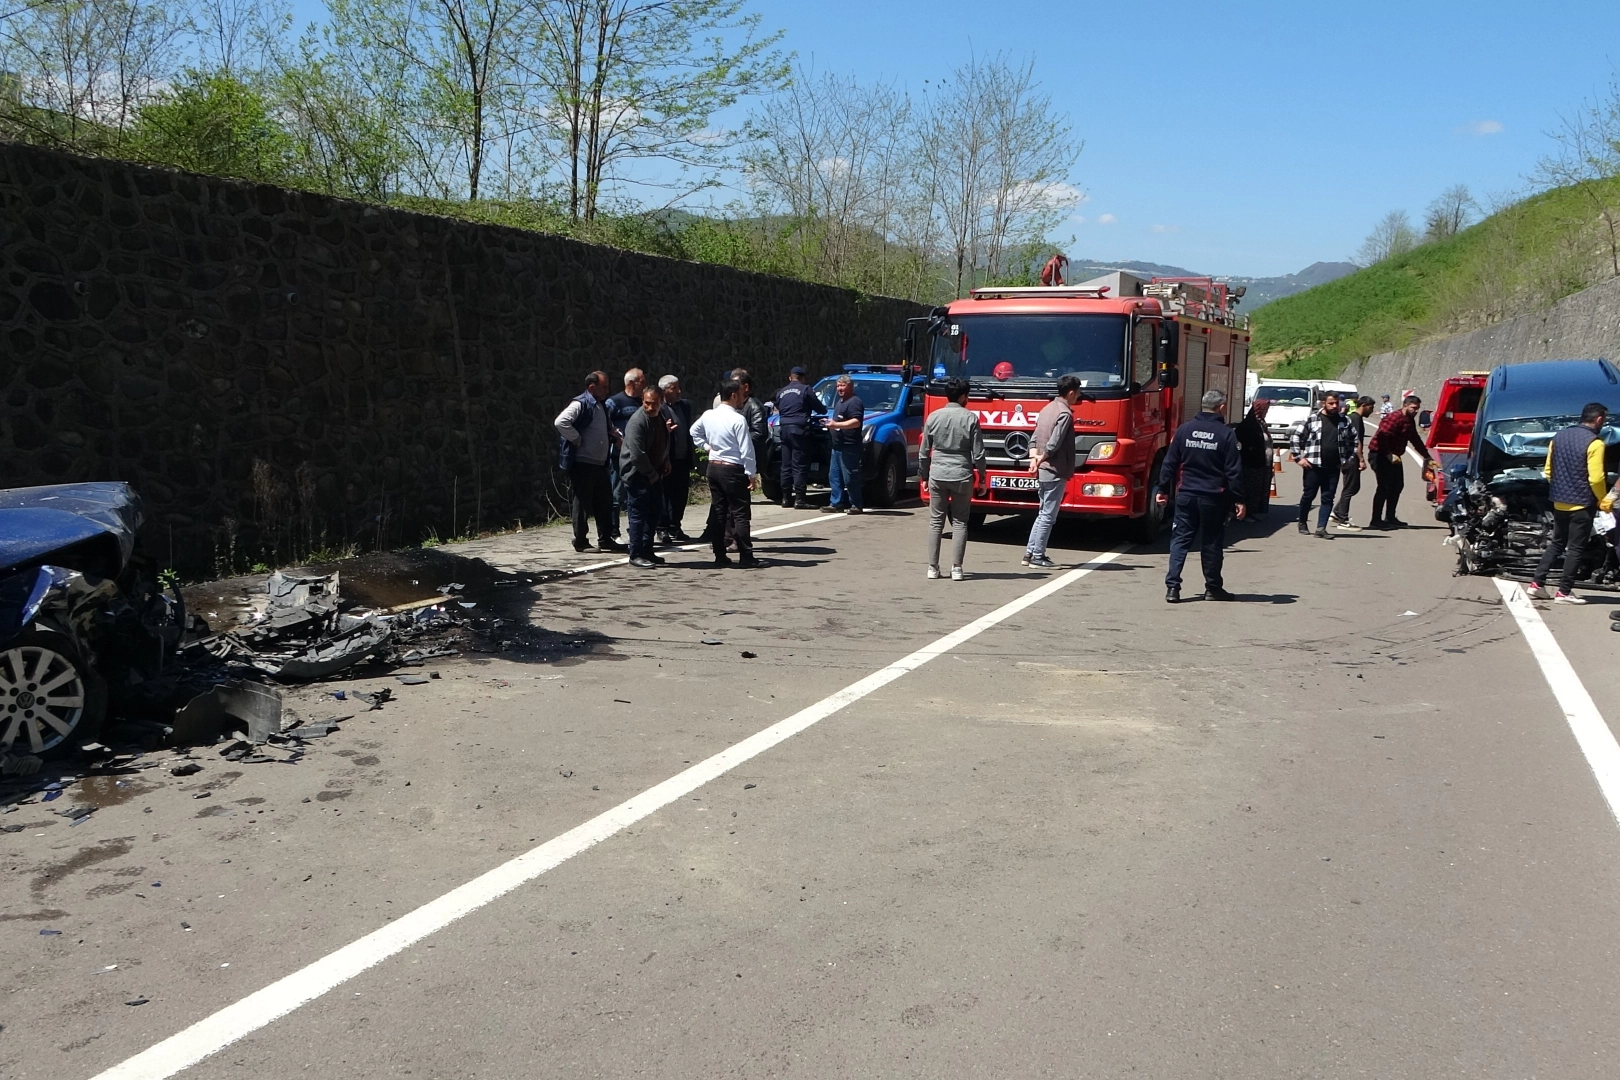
point(1145, 352)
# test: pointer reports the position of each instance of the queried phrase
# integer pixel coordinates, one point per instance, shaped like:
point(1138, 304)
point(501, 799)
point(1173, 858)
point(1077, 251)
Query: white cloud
point(1054, 195)
point(1167, 228)
point(1077, 219)
point(1106, 219)
point(1484, 127)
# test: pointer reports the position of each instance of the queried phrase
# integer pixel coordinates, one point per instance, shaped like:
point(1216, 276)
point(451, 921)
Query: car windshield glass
point(1027, 349)
point(1523, 442)
point(878, 395)
point(1284, 395)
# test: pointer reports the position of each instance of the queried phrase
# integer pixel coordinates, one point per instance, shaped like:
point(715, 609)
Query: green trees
point(213, 123)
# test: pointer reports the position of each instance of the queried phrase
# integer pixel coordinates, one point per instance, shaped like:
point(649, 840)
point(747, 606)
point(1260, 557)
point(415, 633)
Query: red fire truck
point(1145, 352)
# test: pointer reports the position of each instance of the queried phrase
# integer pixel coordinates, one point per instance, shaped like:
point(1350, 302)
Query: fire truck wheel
point(1146, 529)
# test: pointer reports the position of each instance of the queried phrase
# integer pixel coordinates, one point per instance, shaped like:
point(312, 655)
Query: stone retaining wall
point(280, 372)
point(1585, 325)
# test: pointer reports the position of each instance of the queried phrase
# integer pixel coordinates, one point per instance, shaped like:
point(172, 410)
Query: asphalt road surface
point(1341, 828)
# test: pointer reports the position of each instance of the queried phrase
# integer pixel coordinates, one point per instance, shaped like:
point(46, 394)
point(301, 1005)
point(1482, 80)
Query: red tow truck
point(1451, 430)
point(1144, 351)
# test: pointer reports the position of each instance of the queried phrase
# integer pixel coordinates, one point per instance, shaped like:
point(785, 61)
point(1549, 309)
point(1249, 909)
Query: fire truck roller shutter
point(1192, 378)
point(1218, 376)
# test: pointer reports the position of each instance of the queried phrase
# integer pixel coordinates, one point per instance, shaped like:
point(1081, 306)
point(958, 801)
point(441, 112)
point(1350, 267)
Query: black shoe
point(1218, 594)
point(611, 545)
point(1395, 523)
point(1304, 529)
point(655, 558)
point(1615, 614)
point(643, 562)
point(582, 545)
point(749, 564)
point(831, 509)
point(1172, 595)
point(1322, 534)
point(722, 561)
point(802, 504)
point(681, 538)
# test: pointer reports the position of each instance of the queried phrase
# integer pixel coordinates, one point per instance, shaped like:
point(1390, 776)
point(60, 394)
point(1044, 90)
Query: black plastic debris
point(749, 655)
point(137, 1001)
point(413, 680)
point(254, 705)
point(202, 795)
point(187, 768)
point(50, 933)
point(373, 701)
point(712, 641)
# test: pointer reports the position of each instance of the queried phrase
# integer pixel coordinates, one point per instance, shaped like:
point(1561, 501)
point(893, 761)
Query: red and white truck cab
point(1144, 360)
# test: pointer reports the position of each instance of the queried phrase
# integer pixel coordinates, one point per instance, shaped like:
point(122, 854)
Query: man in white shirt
point(723, 432)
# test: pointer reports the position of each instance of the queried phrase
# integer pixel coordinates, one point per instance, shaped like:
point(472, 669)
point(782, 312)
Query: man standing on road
point(795, 405)
point(1051, 462)
point(1577, 485)
point(1385, 408)
point(1350, 471)
point(844, 470)
point(1205, 468)
point(678, 484)
point(1320, 446)
point(1395, 433)
point(724, 433)
point(1254, 444)
point(951, 464)
point(621, 407)
point(587, 444)
point(644, 462)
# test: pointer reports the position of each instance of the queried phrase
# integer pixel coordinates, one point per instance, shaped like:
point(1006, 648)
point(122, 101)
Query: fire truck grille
point(1016, 458)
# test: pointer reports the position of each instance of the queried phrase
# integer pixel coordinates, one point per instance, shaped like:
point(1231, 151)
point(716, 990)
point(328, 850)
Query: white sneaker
point(1567, 598)
point(933, 573)
point(957, 575)
point(1535, 592)
point(1348, 526)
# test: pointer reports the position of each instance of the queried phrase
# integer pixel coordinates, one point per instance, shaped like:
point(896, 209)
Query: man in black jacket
point(621, 407)
point(678, 484)
point(1205, 468)
point(644, 462)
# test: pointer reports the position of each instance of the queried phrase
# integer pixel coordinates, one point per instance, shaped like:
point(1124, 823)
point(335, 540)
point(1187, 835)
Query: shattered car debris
point(1498, 502)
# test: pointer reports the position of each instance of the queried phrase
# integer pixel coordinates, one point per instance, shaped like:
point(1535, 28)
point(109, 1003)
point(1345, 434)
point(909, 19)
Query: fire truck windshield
point(1024, 349)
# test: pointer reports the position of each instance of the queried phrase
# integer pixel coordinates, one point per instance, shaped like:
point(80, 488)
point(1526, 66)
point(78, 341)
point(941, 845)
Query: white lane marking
point(1592, 734)
point(703, 547)
point(1417, 458)
point(214, 1033)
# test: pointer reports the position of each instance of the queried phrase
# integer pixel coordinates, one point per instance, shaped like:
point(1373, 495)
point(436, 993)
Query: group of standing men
point(1332, 448)
point(635, 451)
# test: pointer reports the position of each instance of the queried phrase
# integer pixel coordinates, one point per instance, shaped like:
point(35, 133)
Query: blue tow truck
point(890, 435)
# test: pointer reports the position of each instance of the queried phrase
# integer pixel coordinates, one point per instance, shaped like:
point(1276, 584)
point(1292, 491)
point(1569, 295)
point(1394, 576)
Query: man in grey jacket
point(948, 462)
point(644, 462)
point(1052, 464)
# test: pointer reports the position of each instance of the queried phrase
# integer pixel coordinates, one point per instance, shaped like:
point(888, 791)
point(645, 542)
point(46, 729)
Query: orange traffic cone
point(1273, 485)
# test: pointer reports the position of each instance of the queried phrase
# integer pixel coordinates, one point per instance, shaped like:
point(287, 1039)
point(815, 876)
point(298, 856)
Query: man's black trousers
point(644, 506)
point(728, 494)
point(591, 496)
point(795, 463)
point(1201, 518)
point(1572, 529)
point(676, 487)
point(1391, 479)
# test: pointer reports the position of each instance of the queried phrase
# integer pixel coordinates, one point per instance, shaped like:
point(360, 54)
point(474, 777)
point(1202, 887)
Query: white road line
point(699, 547)
point(214, 1033)
point(1596, 741)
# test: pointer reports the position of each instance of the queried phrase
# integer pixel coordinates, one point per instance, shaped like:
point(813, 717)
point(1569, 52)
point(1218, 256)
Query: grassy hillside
point(1518, 260)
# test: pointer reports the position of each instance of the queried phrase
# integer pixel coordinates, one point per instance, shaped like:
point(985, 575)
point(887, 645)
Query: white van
point(1291, 402)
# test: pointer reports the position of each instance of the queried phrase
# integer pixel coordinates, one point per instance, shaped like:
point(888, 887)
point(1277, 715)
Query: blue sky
point(1248, 138)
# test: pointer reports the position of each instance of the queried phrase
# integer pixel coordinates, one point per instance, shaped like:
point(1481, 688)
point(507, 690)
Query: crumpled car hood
point(61, 524)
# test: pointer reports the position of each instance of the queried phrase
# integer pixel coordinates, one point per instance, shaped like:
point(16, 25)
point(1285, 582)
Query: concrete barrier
point(1586, 324)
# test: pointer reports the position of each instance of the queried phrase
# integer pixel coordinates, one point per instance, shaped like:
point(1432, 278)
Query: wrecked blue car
point(79, 608)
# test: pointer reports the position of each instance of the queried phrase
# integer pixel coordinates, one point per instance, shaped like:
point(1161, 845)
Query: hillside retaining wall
point(1584, 325)
point(278, 371)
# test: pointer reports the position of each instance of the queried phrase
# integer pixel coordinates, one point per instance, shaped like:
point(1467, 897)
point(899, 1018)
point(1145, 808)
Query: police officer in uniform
point(1206, 469)
point(795, 405)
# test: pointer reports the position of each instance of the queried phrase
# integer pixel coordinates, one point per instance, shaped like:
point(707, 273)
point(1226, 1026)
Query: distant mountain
point(1259, 290)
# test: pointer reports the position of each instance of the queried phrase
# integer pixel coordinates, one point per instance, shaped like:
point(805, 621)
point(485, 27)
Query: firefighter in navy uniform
point(1205, 467)
point(795, 404)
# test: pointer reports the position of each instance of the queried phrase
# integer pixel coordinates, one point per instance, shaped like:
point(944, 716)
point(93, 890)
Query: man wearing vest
point(584, 449)
point(1577, 483)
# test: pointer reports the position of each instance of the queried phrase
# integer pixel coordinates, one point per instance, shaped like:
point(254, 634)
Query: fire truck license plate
point(1017, 483)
